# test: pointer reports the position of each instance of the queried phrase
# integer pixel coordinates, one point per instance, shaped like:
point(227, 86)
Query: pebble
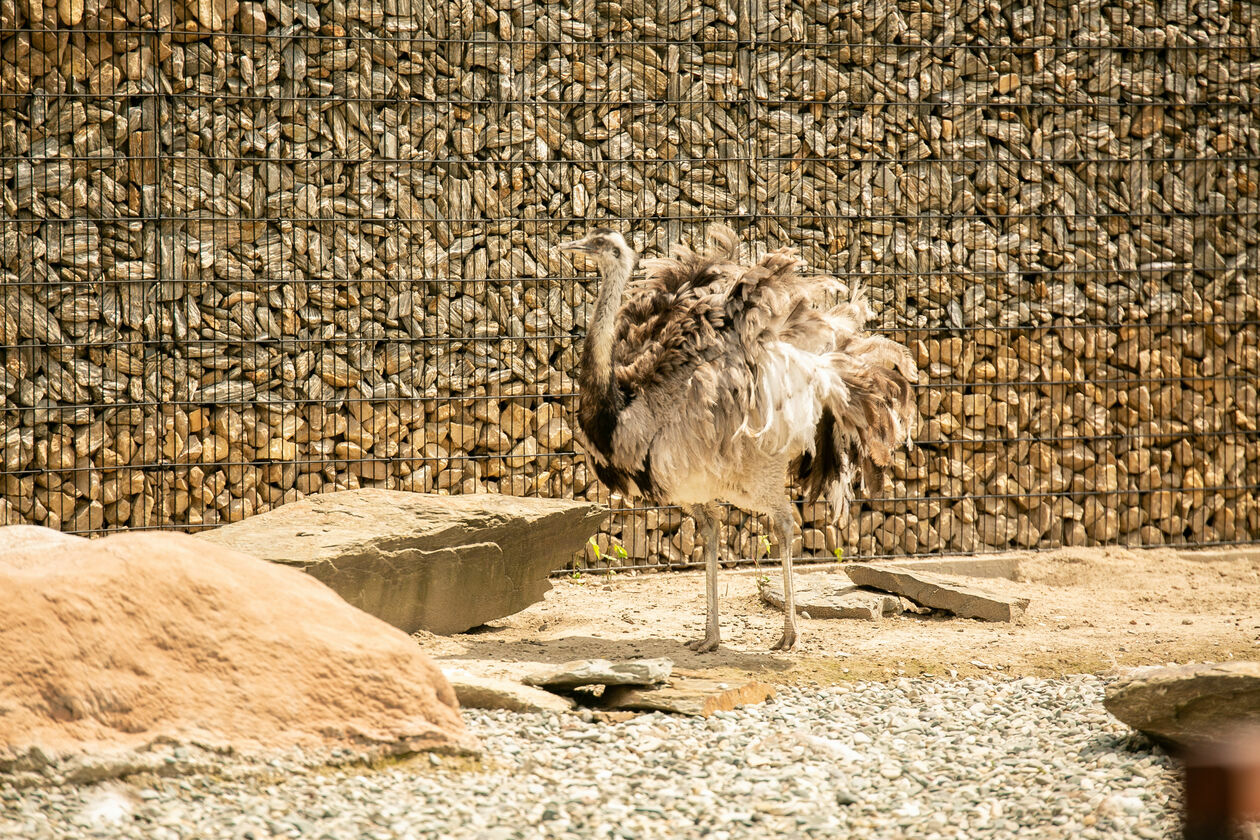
point(1002, 758)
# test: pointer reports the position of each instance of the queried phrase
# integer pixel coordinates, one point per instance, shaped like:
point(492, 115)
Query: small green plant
point(576, 576)
point(619, 551)
point(599, 555)
point(765, 546)
point(839, 552)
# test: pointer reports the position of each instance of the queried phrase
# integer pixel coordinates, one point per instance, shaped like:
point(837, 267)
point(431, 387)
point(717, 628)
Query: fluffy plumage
point(718, 381)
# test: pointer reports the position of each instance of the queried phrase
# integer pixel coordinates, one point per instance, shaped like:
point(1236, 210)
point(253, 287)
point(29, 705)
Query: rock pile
point(267, 249)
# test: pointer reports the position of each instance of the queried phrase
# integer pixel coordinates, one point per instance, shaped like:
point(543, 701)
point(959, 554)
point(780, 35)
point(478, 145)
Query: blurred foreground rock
point(421, 561)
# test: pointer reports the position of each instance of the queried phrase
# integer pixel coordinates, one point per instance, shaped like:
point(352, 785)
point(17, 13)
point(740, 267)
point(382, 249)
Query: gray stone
point(832, 596)
point(584, 672)
point(1188, 705)
point(987, 566)
point(420, 561)
point(698, 696)
point(959, 597)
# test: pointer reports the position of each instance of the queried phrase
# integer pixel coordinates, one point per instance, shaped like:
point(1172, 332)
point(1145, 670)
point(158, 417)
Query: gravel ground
point(915, 758)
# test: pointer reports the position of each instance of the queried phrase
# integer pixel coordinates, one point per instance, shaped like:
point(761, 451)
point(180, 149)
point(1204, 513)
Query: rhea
point(710, 381)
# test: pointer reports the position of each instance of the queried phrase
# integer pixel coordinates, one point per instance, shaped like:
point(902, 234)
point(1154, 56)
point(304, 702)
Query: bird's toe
point(704, 645)
point(786, 643)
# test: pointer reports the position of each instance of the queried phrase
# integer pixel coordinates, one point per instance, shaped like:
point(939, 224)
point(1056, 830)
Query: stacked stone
point(257, 250)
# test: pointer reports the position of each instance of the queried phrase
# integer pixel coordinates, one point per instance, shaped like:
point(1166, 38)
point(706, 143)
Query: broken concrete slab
point(1188, 705)
point(589, 672)
point(960, 597)
point(832, 596)
point(422, 561)
point(481, 691)
point(687, 695)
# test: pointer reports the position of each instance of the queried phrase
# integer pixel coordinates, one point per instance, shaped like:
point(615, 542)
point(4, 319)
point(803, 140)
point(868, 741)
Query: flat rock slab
point(992, 566)
point(1188, 705)
point(832, 596)
point(587, 672)
point(481, 691)
point(697, 696)
point(962, 598)
point(422, 561)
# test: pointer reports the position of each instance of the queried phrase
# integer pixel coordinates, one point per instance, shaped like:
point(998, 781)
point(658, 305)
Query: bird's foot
point(705, 645)
point(787, 642)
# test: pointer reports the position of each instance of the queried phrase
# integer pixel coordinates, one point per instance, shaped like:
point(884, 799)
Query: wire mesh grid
point(254, 251)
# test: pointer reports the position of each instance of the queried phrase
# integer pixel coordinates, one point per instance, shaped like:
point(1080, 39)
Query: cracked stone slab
point(418, 560)
point(832, 596)
point(587, 672)
point(686, 695)
point(960, 597)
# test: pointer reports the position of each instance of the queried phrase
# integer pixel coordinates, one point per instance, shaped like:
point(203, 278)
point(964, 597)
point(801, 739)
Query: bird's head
point(606, 247)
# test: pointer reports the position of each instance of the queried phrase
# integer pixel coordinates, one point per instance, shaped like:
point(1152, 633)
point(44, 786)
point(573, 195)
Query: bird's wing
point(675, 316)
point(673, 358)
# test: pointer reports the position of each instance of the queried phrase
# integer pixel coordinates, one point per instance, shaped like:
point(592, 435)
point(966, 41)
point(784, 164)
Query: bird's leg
point(707, 523)
point(784, 526)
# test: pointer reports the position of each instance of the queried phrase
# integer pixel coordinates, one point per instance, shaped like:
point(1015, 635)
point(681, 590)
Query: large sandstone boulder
point(29, 541)
point(1188, 705)
point(140, 638)
point(421, 561)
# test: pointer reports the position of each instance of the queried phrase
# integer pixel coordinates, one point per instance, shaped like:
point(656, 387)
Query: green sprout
point(599, 555)
point(619, 551)
point(839, 552)
point(765, 546)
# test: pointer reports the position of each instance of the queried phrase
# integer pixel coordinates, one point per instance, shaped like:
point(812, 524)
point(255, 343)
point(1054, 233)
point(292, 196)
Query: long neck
point(599, 333)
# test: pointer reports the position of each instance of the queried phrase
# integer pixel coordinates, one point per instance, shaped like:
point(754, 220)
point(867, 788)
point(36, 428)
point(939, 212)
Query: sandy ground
point(1090, 611)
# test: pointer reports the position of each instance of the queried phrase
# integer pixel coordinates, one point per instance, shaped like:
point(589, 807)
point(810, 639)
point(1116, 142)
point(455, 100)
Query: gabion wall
point(252, 251)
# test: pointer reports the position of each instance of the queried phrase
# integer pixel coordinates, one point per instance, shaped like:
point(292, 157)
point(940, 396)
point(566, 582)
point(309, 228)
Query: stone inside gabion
point(288, 248)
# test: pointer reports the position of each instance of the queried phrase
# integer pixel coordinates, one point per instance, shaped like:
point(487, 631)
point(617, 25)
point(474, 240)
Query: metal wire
point(241, 267)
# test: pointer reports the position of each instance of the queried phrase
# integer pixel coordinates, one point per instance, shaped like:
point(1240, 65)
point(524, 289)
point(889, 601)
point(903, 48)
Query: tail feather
point(862, 423)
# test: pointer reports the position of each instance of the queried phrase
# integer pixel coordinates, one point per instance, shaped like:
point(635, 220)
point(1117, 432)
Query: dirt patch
point(1091, 611)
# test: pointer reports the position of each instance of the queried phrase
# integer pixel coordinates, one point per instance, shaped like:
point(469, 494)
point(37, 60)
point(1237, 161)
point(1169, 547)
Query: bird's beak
point(582, 245)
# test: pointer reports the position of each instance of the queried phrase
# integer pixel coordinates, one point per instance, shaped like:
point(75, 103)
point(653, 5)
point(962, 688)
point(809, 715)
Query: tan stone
point(688, 695)
point(119, 642)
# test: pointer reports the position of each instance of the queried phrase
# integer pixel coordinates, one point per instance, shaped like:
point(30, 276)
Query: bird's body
point(712, 381)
